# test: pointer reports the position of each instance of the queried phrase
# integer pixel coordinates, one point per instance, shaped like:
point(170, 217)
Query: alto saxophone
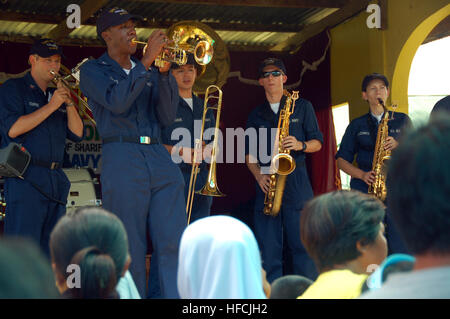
point(282, 163)
point(380, 158)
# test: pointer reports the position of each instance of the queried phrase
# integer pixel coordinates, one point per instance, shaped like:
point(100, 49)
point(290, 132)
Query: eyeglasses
point(274, 74)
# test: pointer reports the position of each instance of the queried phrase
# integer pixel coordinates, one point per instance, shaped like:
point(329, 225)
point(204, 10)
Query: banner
point(88, 152)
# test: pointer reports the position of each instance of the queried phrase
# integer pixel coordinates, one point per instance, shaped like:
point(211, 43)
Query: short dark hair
point(289, 287)
point(25, 271)
point(95, 240)
point(374, 76)
point(332, 224)
point(418, 184)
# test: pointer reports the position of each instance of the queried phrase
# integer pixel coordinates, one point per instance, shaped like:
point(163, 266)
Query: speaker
point(14, 160)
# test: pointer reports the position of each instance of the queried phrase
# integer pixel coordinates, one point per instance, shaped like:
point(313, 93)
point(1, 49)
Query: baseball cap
point(45, 48)
point(190, 60)
point(374, 76)
point(112, 17)
point(271, 61)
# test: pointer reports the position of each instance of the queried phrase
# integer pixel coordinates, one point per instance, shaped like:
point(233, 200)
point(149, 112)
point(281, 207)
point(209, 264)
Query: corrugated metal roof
point(237, 26)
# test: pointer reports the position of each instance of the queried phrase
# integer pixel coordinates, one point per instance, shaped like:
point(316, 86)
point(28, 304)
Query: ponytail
point(98, 274)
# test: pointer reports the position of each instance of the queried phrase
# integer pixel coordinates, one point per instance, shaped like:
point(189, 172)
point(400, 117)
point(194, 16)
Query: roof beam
point(293, 43)
point(88, 8)
point(33, 18)
point(262, 3)
point(218, 26)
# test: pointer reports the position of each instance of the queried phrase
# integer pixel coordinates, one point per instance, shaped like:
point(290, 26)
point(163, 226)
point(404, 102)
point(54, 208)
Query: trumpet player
point(274, 234)
point(40, 118)
point(131, 101)
point(360, 138)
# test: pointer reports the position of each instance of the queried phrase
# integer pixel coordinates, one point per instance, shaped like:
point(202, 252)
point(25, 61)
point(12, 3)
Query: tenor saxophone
point(380, 158)
point(282, 163)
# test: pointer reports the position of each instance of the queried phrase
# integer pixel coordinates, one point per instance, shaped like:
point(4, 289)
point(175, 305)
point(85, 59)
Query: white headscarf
point(219, 259)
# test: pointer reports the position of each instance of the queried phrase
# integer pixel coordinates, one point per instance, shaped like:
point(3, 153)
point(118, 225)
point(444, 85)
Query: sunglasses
point(274, 74)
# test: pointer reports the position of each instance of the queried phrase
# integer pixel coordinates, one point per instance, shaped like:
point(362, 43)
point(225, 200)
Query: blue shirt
point(46, 142)
point(173, 134)
point(128, 105)
point(360, 138)
point(302, 125)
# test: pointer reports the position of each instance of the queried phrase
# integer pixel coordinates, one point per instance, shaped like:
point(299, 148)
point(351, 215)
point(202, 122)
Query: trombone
point(71, 76)
point(210, 188)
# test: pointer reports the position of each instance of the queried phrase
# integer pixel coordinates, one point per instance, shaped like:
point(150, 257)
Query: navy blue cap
point(45, 48)
point(112, 17)
point(271, 61)
point(190, 60)
point(374, 76)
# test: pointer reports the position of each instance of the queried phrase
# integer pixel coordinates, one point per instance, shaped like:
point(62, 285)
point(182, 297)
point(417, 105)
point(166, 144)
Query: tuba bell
point(209, 51)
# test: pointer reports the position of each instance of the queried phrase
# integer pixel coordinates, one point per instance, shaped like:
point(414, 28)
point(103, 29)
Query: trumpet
point(71, 76)
point(192, 42)
point(210, 188)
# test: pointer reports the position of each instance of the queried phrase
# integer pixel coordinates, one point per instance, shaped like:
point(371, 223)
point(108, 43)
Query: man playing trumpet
point(131, 101)
point(40, 118)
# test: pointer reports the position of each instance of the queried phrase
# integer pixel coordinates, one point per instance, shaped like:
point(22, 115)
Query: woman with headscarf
point(219, 259)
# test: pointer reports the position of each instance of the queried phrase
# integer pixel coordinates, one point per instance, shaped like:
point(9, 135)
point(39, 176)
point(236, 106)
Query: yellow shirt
point(335, 284)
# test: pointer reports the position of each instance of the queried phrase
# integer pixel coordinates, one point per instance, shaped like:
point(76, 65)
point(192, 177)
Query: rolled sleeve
point(347, 149)
point(311, 127)
point(73, 137)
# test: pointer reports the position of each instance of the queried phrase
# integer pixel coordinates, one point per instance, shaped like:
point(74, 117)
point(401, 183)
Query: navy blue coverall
point(140, 183)
point(173, 135)
point(273, 233)
point(359, 140)
point(28, 212)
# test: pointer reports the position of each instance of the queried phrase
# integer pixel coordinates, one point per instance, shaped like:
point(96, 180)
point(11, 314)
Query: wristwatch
point(304, 146)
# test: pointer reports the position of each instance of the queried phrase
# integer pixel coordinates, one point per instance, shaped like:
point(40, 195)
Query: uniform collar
point(266, 111)
point(106, 60)
point(374, 119)
point(31, 83)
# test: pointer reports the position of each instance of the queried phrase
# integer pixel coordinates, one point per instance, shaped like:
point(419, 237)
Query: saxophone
point(380, 158)
point(282, 163)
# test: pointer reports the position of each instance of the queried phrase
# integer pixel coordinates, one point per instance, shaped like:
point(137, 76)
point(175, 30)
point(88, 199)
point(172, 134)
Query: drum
point(84, 188)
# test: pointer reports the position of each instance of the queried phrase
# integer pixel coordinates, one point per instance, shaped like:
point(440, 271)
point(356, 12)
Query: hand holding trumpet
point(153, 48)
point(61, 95)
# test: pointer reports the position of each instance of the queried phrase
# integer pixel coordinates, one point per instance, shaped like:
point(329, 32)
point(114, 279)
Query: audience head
point(96, 241)
point(219, 258)
point(418, 184)
point(25, 271)
point(343, 229)
point(441, 106)
point(289, 287)
point(393, 264)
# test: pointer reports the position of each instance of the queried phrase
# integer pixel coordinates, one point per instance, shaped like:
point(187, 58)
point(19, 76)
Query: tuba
point(210, 188)
point(282, 163)
point(381, 157)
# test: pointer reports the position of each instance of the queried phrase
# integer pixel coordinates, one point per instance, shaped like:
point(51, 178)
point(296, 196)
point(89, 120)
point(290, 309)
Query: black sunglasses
point(274, 74)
